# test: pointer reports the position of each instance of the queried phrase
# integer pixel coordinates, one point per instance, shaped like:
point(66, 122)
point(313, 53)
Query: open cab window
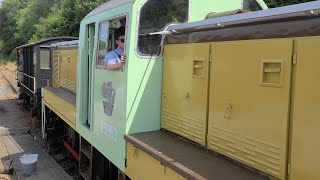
point(155, 15)
point(111, 44)
point(251, 5)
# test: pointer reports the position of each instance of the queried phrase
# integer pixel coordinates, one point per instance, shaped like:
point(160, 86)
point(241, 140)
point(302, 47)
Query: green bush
point(8, 58)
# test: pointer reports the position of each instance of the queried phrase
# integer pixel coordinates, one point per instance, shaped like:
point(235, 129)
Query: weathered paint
point(249, 102)
point(138, 161)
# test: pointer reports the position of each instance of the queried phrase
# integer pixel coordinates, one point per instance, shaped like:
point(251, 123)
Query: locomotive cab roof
point(107, 6)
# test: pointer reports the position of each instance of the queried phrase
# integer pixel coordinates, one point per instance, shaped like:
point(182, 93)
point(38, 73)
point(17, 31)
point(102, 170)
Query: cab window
point(111, 44)
point(251, 5)
point(155, 15)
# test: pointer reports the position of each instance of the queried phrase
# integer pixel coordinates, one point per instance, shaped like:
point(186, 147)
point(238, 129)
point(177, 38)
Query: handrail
point(21, 83)
point(17, 72)
point(28, 75)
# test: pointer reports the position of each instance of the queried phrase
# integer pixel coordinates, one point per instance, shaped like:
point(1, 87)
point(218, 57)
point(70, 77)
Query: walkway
point(14, 137)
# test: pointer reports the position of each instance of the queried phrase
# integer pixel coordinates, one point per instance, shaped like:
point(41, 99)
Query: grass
point(8, 64)
point(2, 61)
point(5, 59)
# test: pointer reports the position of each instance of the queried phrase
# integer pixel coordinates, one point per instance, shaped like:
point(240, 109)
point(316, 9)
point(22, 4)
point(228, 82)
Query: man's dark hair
point(119, 32)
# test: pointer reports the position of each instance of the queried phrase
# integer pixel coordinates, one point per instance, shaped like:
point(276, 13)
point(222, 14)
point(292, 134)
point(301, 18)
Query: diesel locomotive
point(209, 90)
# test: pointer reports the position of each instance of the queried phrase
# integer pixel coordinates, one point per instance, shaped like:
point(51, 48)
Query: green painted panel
point(107, 130)
point(198, 11)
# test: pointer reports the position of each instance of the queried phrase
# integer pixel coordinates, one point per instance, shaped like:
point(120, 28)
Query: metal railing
point(23, 77)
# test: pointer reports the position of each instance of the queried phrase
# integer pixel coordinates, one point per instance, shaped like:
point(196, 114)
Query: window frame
point(118, 16)
point(136, 49)
point(87, 121)
point(98, 40)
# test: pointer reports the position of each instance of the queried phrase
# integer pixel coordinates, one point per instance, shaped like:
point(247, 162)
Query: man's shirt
point(112, 57)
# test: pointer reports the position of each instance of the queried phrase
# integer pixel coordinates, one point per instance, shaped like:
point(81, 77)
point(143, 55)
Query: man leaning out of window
point(114, 60)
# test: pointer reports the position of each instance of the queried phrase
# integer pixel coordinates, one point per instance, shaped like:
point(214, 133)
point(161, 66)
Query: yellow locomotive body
point(262, 104)
point(60, 97)
point(247, 92)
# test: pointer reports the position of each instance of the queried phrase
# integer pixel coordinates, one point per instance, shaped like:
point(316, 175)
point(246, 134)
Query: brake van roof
point(43, 41)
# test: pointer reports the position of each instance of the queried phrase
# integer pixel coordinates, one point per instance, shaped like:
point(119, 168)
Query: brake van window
point(111, 45)
point(44, 58)
point(155, 15)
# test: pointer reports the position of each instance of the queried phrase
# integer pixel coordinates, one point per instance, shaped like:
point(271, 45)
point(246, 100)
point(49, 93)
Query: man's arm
point(112, 62)
point(115, 66)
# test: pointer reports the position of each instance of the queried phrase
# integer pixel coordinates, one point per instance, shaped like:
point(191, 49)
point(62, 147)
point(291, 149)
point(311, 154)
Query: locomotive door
point(249, 102)
point(64, 69)
point(185, 90)
point(106, 93)
point(73, 69)
point(305, 117)
point(68, 68)
point(56, 67)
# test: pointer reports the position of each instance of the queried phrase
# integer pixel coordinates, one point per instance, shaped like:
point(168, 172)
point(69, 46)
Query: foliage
point(30, 16)
point(8, 25)
point(26, 21)
point(158, 14)
point(49, 27)
point(64, 19)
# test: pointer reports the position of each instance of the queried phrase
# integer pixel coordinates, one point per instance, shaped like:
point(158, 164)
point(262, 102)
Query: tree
point(65, 18)
point(8, 24)
point(30, 16)
point(25, 21)
point(50, 26)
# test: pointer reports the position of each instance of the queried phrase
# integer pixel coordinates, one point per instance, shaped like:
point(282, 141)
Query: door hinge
point(289, 169)
point(294, 58)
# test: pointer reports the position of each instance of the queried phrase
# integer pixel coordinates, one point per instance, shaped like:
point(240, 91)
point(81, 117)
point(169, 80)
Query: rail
point(22, 77)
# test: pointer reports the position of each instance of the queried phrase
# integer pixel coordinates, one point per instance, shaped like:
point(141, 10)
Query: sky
point(0, 2)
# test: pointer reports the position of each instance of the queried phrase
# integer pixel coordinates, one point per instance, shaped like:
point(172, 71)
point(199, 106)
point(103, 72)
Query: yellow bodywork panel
point(73, 67)
point(55, 67)
point(67, 68)
point(65, 110)
point(141, 166)
point(63, 68)
point(305, 150)
point(185, 89)
point(249, 102)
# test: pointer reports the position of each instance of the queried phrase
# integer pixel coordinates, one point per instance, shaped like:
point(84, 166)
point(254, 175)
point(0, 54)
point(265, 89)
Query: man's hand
point(123, 58)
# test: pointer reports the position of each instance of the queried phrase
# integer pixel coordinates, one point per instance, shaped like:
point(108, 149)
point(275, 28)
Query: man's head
point(119, 35)
point(20, 52)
